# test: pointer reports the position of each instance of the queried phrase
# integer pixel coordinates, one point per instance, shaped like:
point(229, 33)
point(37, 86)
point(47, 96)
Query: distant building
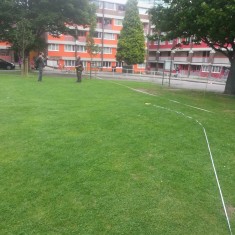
point(110, 14)
point(188, 60)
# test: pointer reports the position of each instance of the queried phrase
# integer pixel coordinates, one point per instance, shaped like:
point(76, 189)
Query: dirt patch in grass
point(230, 210)
point(229, 111)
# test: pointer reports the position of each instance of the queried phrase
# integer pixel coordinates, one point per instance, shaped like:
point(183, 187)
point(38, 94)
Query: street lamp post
point(76, 42)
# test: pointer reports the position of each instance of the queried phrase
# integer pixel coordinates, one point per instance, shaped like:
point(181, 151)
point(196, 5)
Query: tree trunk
point(230, 83)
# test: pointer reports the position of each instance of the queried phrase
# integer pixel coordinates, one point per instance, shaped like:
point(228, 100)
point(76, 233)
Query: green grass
point(100, 158)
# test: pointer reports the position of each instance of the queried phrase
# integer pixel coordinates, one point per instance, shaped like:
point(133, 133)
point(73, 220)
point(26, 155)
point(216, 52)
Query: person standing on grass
point(40, 64)
point(79, 68)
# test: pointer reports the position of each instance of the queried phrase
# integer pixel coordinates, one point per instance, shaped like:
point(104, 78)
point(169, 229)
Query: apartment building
point(110, 14)
point(188, 60)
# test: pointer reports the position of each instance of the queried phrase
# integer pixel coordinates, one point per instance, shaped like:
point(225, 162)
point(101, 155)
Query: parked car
point(6, 65)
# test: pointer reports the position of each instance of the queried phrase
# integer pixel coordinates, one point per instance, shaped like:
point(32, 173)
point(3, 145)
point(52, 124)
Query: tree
point(209, 21)
point(131, 42)
point(91, 47)
point(43, 16)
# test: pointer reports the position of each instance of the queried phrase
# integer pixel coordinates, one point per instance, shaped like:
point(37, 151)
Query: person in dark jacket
point(40, 61)
point(79, 68)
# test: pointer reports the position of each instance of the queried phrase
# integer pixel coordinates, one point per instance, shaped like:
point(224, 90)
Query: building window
point(216, 69)
point(121, 7)
point(170, 42)
point(162, 42)
point(106, 64)
point(205, 68)
point(205, 53)
point(141, 66)
point(118, 22)
point(69, 63)
point(81, 48)
point(53, 47)
point(119, 64)
point(69, 48)
point(107, 5)
point(109, 36)
point(143, 11)
point(97, 35)
point(107, 50)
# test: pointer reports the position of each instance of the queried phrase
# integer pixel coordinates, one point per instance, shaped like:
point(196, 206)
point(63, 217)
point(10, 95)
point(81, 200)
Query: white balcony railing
point(221, 61)
point(180, 59)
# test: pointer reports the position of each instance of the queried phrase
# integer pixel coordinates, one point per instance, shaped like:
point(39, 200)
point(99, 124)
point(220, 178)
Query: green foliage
point(131, 43)
point(44, 16)
point(91, 47)
point(208, 21)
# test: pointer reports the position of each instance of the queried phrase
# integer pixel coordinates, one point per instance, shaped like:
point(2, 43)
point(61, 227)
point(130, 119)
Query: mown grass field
point(101, 158)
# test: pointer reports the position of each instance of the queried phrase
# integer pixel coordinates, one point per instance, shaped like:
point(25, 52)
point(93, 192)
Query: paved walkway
point(194, 83)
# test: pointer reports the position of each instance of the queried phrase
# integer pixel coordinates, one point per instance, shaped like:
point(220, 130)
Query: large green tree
point(51, 16)
point(209, 21)
point(131, 42)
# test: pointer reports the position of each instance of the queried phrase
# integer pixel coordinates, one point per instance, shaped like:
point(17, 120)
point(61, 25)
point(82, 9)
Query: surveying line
point(212, 161)
point(208, 146)
point(191, 106)
point(217, 180)
point(147, 93)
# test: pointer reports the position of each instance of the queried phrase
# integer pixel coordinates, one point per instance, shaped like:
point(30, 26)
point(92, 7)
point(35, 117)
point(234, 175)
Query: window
point(81, 48)
point(118, 22)
point(205, 68)
point(53, 47)
point(97, 35)
point(69, 48)
point(107, 5)
point(109, 36)
point(106, 64)
point(162, 42)
point(143, 11)
point(69, 63)
point(121, 7)
point(107, 21)
point(107, 50)
point(170, 42)
point(119, 64)
point(141, 66)
point(205, 53)
point(216, 69)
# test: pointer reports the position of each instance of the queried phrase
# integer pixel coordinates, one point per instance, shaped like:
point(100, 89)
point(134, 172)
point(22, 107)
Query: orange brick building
point(61, 51)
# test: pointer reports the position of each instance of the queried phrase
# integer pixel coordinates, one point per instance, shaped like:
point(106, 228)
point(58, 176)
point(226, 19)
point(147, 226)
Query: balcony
point(221, 61)
point(181, 59)
point(106, 26)
point(200, 60)
point(152, 58)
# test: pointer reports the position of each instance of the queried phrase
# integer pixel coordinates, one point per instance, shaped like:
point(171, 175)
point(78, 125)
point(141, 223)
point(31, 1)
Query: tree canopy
point(209, 21)
point(43, 16)
point(131, 42)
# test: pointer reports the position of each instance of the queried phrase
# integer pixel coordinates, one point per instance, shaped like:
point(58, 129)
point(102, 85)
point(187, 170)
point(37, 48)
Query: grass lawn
point(101, 158)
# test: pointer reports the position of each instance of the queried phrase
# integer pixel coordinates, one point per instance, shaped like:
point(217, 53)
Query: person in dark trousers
point(40, 61)
point(79, 68)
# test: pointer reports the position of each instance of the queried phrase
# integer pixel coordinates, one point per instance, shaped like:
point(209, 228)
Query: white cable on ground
point(207, 141)
point(212, 161)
